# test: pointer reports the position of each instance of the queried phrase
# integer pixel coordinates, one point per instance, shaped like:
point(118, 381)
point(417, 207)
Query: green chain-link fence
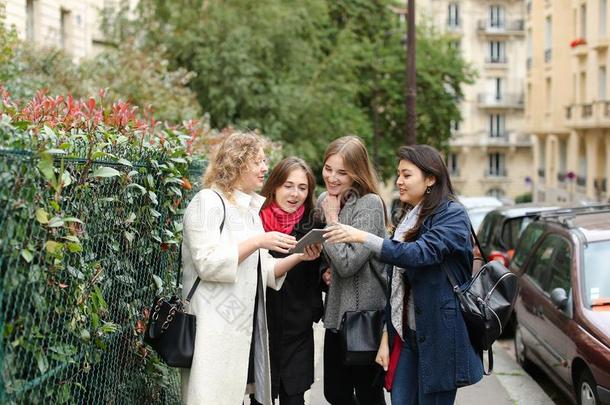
point(75, 286)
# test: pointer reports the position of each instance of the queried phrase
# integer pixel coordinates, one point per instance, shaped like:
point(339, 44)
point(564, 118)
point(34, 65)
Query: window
point(65, 28)
point(529, 48)
point(560, 276)
point(454, 125)
point(453, 19)
point(596, 278)
point(601, 80)
point(495, 192)
point(603, 12)
point(497, 52)
point(498, 88)
point(496, 125)
point(30, 22)
point(496, 16)
point(540, 267)
point(583, 87)
point(496, 165)
point(452, 164)
point(548, 39)
point(583, 21)
point(549, 94)
point(529, 238)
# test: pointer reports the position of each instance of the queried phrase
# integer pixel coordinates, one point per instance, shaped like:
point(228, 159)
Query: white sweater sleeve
point(214, 258)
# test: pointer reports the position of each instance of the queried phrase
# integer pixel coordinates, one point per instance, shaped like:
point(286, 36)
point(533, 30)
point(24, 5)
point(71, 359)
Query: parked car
point(501, 228)
point(478, 207)
point(562, 312)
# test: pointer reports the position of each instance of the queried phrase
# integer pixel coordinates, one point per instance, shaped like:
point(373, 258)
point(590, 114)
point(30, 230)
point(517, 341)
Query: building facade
point(491, 153)
point(567, 105)
point(70, 25)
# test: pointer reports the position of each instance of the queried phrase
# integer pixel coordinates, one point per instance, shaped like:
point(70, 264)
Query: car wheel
point(587, 389)
point(520, 348)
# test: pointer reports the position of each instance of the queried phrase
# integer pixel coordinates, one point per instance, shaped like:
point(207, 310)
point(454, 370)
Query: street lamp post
point(410, 135)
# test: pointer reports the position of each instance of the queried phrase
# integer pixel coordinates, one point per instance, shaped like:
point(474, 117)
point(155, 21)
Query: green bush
point(91, 196)
point(126, 72)
point(524, 198)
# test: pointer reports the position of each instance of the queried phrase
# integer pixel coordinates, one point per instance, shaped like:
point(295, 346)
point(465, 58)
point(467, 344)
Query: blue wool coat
point(447, 359)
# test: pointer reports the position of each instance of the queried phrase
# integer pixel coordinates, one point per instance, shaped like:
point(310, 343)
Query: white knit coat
point(224, 300)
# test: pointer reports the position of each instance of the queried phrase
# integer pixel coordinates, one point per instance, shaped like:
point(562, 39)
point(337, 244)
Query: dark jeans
point(340, 381)
point(285, 399)
point(405, 390)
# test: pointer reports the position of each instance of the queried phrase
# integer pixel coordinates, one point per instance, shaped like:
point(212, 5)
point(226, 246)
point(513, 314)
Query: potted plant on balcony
point(578, 42)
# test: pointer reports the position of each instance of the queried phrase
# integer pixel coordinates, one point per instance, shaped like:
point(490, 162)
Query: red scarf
point(276, 219)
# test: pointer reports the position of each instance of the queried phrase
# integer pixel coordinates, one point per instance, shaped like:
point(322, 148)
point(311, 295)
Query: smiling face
point(412, 183)
point(253, 177)
point(293, 193)
point(335, 175)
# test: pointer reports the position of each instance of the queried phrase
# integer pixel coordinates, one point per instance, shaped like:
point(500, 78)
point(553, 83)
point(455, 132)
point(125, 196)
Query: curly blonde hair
point(235, 153)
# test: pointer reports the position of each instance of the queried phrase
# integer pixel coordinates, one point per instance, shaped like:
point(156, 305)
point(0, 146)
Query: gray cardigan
point(354, 261)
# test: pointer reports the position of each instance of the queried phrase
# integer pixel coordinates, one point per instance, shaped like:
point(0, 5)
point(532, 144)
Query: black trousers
point(341, 381)
point(285, 399)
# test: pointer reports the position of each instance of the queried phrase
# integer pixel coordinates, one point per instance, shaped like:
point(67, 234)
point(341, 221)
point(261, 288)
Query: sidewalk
point(508, 385)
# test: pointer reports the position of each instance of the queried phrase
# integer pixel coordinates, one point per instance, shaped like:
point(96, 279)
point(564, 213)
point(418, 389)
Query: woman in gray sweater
point(356, 278)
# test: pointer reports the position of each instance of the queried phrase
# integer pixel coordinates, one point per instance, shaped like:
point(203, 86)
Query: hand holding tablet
point(312, 237)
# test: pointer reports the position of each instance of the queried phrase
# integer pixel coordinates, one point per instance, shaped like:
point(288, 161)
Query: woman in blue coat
point(425, 350)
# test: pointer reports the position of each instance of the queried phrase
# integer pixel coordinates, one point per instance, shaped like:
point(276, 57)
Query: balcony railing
point(489, 26)
point(501, 100)
point(497, 138)
point(548, 55)
point(588, 115)
point(581, 181)
point(496, 60)
point(601, 184)
point(501, 172)
point(454, 24)
point(541, 173)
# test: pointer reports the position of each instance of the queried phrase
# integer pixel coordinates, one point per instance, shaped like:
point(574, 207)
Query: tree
point(308, 72)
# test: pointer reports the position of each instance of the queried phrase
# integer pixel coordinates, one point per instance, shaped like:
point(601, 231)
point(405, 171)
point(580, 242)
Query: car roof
point(595, 227)
point(480, 202)
point(521, 210)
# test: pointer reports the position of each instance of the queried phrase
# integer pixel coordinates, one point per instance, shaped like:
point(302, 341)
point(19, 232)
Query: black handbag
point(486, 302)
point(170, 330)
point(360, 333)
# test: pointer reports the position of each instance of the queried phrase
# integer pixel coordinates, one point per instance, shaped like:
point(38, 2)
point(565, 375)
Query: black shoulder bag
point(361, 331)
point(486, 302)
point(170, 330)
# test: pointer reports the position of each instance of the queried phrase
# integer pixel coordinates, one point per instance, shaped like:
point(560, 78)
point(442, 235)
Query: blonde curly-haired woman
point(231, 356)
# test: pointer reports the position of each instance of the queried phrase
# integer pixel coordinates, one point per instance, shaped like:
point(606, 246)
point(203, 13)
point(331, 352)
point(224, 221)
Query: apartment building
point(567, 105)
point(491, 154)
point(71, 25)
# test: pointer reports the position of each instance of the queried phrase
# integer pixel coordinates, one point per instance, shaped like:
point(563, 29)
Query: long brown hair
point(357, 164)
point(280, 173)
point(431, 163)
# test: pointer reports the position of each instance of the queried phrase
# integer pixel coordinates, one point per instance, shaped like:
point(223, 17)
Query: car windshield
point(597, 274)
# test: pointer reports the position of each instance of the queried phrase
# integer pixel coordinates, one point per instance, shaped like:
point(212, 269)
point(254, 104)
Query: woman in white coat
point(231, 356)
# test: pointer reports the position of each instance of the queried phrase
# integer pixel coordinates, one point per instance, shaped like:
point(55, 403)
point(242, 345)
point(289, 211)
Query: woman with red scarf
point(292, 310)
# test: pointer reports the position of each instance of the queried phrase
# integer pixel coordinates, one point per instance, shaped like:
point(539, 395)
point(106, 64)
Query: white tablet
point(311, 238)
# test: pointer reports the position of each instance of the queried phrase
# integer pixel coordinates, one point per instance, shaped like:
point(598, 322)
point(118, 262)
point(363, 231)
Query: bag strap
point(476, 240)
point(490, 362)
point(196, 283)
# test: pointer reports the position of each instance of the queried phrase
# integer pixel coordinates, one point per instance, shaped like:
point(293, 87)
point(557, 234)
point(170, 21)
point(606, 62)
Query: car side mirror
point(559, 297)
